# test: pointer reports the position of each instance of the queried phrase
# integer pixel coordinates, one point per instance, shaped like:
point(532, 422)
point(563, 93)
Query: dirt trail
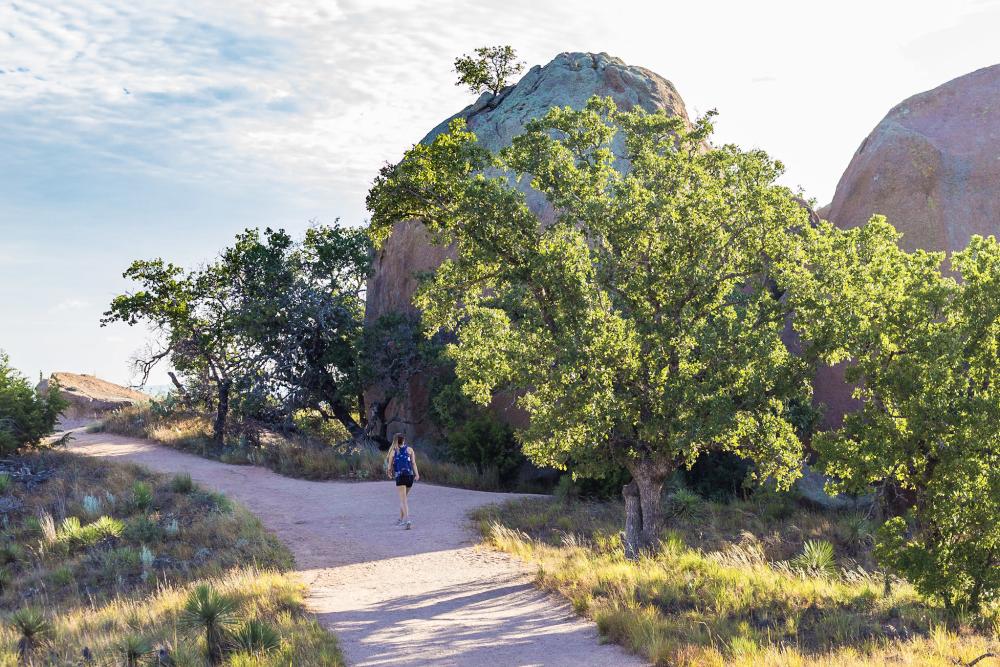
point(427, 596)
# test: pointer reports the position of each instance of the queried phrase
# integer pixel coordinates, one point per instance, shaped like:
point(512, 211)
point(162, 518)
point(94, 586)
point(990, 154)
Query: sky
point(158, 129)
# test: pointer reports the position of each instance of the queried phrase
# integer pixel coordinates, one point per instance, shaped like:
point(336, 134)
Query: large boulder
point(90, 397)
point(569, 80)
point(932, 167)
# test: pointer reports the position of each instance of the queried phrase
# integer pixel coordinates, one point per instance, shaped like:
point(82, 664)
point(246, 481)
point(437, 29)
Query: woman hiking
point(401, 465)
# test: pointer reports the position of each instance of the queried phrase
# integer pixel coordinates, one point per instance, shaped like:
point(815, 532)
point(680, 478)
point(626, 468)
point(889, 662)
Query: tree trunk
point(343, 414)
point(185, 396)
point(643, 511)
point(362, 409)
point(633, 520)
point(221, 412)
point(650, 483)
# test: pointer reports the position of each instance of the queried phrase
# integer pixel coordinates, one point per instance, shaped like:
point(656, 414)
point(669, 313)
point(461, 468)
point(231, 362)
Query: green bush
point(182, 483)
point(485, 442)
point(142, 530)
point(25, 416)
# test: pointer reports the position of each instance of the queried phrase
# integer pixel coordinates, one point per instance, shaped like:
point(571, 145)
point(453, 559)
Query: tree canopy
point(644, 324)
point(923, 352)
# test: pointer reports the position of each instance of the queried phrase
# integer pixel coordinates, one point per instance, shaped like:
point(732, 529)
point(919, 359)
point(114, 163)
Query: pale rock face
point(932, 167)
point(569, 80)
point(89, 396)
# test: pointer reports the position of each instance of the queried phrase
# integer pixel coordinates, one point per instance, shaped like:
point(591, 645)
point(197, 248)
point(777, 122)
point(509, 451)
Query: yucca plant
point(108, 526)
point(256, 637)
point(685, 504)
point(816, 558)
point(34, 629)
point(213, 613)
point(142, 496)
point(132, 650)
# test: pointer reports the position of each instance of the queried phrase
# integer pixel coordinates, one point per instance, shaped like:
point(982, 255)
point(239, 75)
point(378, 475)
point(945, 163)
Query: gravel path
point(427, 596)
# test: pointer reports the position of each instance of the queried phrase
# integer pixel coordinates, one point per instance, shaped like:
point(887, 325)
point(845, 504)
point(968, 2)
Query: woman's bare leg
point(403, 509)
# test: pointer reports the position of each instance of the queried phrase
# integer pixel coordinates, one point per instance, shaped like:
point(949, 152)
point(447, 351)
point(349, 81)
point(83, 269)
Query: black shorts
point(404, 480)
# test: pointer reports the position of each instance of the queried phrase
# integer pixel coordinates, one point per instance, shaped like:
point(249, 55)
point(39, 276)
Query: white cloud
point(291, 91)
point(70, 304)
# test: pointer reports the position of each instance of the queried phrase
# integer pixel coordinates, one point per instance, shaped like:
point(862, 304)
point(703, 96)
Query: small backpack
point(401, 462)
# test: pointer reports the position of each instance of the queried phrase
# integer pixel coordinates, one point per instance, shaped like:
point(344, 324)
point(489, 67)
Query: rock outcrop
point(932, 167)
point(569, 80)
point(89, 397)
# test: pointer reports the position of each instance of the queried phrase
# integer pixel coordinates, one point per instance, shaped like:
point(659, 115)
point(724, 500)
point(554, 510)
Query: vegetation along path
point(427, 596)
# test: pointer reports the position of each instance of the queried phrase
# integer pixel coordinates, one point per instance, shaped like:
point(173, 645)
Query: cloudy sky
point(142, 129)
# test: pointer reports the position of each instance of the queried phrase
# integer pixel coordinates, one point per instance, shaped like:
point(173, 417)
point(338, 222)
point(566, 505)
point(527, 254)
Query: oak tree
point(644, 324)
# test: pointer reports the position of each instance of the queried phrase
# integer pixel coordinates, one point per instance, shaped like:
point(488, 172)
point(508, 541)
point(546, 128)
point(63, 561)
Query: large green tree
point(923, 352)
point(193, 318)
point(301, 305)
point(639, 328)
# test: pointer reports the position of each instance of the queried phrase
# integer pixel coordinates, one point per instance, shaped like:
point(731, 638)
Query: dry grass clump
point(303, 456)
point(734, 587)
point(100, 559)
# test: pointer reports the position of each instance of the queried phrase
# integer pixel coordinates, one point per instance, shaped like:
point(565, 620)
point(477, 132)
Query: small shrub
point(61, 576)
point(91, 505)
point(116, 561)
point(255, 637)
point(182, 483)
point(816, 559)
point(5, 483)
point(146, 557)
point(172, 529)
point(10, 553)
point(142, 496)
point(219, 502)
point(34, 630)
point(32, 525)
point(142, 530)
point(132, 650)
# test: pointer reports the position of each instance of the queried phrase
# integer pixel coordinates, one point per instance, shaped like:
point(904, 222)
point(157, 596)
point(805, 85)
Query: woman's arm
point(413, 460)
point(389, 463)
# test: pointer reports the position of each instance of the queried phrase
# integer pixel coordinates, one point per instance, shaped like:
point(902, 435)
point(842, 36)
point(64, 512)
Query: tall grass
point(114, 587)
point(714, 595)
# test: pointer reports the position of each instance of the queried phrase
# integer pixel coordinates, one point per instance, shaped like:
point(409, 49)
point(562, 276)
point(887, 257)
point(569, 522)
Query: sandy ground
point(426, 596)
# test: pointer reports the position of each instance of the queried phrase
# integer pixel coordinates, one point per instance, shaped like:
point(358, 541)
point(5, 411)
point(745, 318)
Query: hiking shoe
point(407, 525)
point(399, 522)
